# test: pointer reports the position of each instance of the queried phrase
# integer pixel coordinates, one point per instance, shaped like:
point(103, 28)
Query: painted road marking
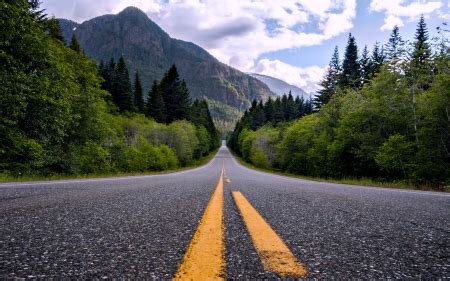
point(204, 258)
point(273, 252)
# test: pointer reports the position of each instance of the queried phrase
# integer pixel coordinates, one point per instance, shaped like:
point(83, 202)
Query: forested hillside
point(382, 115)
point(151, 51)
point(60, 113)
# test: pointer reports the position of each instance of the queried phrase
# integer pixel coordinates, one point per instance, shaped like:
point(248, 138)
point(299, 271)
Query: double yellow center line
point(204, 258)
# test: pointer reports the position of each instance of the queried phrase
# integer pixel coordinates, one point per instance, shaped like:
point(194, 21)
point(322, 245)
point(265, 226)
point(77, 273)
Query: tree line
point(274, 112)
point(382, 115)
point(60, 113)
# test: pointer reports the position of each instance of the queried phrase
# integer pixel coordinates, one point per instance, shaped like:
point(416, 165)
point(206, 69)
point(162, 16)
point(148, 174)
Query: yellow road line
point(204, 258)
point(273, 252)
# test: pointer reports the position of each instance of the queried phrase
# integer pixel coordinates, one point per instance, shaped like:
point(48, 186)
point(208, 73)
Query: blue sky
point(290, 39)
point(366, 31)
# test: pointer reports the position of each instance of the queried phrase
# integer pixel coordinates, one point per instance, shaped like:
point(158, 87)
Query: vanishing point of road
point(220, 221)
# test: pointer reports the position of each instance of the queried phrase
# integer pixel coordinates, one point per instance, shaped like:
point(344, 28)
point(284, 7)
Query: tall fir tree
point(53, 29)
point(330, 82)
point(278, 114)
point(422, 52)
point(155, 104)
point(365, 63)
point(300, 104)
point(200, 116)
point(122, 94)
point(183, 101)
point(138, 94)
point(377, 59)
point(269, 110)
point(350, 65)
point(107, 71)
point(169, 86)
point(74, 45)
point(290, 112)
point(395, 49)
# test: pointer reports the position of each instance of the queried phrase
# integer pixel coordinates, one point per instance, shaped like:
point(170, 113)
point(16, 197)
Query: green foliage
point(138, 95)
point(275, 112)
point(155, 104)
point(74, 45)
point(350, 65)
point(330, 82)
point(121, 91)
point(395, 127)
point(57, 118)
point(395, 155)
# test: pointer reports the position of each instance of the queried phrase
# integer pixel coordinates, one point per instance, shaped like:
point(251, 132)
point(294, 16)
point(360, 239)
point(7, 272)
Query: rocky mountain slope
point(151, 51)
point(280, 87)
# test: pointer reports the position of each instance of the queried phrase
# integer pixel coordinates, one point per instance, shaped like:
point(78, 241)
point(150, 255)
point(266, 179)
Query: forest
point(61, 113)
point(382, 115)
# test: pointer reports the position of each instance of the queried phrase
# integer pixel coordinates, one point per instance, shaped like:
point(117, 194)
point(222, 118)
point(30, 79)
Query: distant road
point(220, 220)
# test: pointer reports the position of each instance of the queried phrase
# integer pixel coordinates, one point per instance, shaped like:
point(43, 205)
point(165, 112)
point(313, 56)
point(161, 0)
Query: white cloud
point(306, 78)
point(396, 11)
point(237, 32)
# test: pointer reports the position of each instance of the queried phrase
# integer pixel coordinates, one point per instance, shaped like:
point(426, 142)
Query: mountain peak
point(131, 10)
point(279, 86)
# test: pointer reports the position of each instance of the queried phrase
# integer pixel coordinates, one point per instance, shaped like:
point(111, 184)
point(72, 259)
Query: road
point(156, 226)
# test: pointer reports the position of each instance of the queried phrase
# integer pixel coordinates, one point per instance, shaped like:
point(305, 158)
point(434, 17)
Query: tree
point(365, 63)
point(269, 110)
point(422, 52)
point(395, 49)
point(74, 45)
point(122, 87)
point(350, 65)
point(183, 101)
point(169, 87)
point(138, 95)
point(330, 82)
point(201, 117)
point(290, 110)
point(278, 114)
point(53, 29)
point(377, 59)
point(155, 104)
point(300, 104)
point(419, 72)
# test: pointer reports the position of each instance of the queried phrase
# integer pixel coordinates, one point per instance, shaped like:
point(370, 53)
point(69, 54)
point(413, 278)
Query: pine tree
point(257, 113)
point(330, 82)
point(169, 86)
point(376, 60)
point(183, 101)
point(365, 63)
point(420, 72)
point(155, 104)
point(54, 29)
point(122, 87)
point(422, 52)
point(200, 116)
point(278, 114)
point(300, 104)
point(350, 65)
point(269, 110)
point(290, 109)
point(138, 95)
point(395, 49)
point(74, 45)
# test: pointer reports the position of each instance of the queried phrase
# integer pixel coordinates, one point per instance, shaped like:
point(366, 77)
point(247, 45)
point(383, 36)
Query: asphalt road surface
point(141, 227)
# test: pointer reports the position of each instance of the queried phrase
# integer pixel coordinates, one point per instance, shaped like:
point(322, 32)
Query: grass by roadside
point(197, 163)
point(351, 181)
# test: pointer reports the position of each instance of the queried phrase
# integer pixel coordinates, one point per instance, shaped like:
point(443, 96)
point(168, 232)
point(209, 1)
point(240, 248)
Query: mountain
point(150, 50)
point(280, 87)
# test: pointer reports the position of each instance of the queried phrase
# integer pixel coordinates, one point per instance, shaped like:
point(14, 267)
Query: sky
point(292, 40)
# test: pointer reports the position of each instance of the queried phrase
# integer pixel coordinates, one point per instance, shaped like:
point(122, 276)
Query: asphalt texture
point(140, 227)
